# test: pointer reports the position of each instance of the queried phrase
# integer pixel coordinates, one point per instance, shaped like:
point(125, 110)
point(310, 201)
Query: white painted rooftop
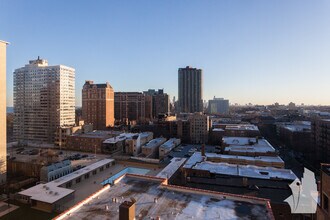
point(52, 191)
point(298, 128)
point(172, 142)
point(242, 127)
point(155, 143)
point(170, 169)
point(247, 144)
point(245, 170)
point(217, 129)
point(238, 140)
point(115, 140)
point(252, 149)
point(197, 157)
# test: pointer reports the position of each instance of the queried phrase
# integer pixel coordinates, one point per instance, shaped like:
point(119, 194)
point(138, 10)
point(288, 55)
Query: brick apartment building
point(98, 105)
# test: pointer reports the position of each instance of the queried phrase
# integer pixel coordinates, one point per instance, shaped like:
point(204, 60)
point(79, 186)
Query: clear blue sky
point(258, 51)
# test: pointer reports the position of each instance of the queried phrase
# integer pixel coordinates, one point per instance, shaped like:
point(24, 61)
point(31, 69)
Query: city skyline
point(250, 52)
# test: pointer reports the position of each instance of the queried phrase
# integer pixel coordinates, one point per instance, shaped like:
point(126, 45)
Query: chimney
point(203, 150)
point(127, 210)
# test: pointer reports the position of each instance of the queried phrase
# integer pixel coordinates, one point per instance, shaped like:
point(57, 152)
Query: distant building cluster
point(160, 156)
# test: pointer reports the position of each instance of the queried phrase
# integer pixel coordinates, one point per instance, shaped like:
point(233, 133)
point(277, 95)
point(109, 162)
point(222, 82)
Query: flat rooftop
point(243, 170)
point(242, 127)
point(98, 134)
point(172, 202)
point(197, 158)
point(246, 144)
point(170, 143)
point(170, 169)
point(52, 191)
point(252, 149)
point(155, 142)
point(298, 128)
point(243, 141)
point(217, 129)
point(117, 139)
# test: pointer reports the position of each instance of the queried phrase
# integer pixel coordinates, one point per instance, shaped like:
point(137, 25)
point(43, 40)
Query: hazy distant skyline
point(254, 51)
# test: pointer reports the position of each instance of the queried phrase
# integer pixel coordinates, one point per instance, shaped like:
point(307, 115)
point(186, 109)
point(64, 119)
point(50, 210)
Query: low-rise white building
point(50, 196)
point(151, 149)
point(165, 148)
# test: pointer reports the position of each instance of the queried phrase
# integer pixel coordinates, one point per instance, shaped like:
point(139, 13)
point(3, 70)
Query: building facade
point(44, 99)
point(320, 133)
point(190, 90)
point(199, 128)
point(160, 102)
point(3, 104)
point(88, 141)
point(132, 106)
point(323, 209)
point(218, 106)
point(98, 105)
point(63, 132)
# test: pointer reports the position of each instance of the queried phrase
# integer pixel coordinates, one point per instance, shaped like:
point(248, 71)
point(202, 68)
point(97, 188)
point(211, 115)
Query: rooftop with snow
point(157, 200)
point(213, 157)
point(247, 144)
point(250, 171)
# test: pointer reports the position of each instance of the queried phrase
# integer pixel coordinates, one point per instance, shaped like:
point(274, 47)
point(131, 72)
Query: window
point(87, 176)
point(325, 203)
point(68, 185)
point(78, 180)
point(94, 172)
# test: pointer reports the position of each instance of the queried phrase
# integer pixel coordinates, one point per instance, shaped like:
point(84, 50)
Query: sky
point(256, 51)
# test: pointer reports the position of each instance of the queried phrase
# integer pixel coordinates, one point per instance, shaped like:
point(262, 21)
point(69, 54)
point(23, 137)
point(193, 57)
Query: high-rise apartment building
point(218, 106)
point(98, 105)
point(160, 102)
point(3, 128)
point(190, 90)
point(133, 106)
point(320, 133)
point(44, 99)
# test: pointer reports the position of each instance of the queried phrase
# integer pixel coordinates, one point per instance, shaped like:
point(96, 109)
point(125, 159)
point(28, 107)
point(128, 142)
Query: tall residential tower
point(44, 99)
point(3, 128)
point(98, 105)
point(190, 90)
